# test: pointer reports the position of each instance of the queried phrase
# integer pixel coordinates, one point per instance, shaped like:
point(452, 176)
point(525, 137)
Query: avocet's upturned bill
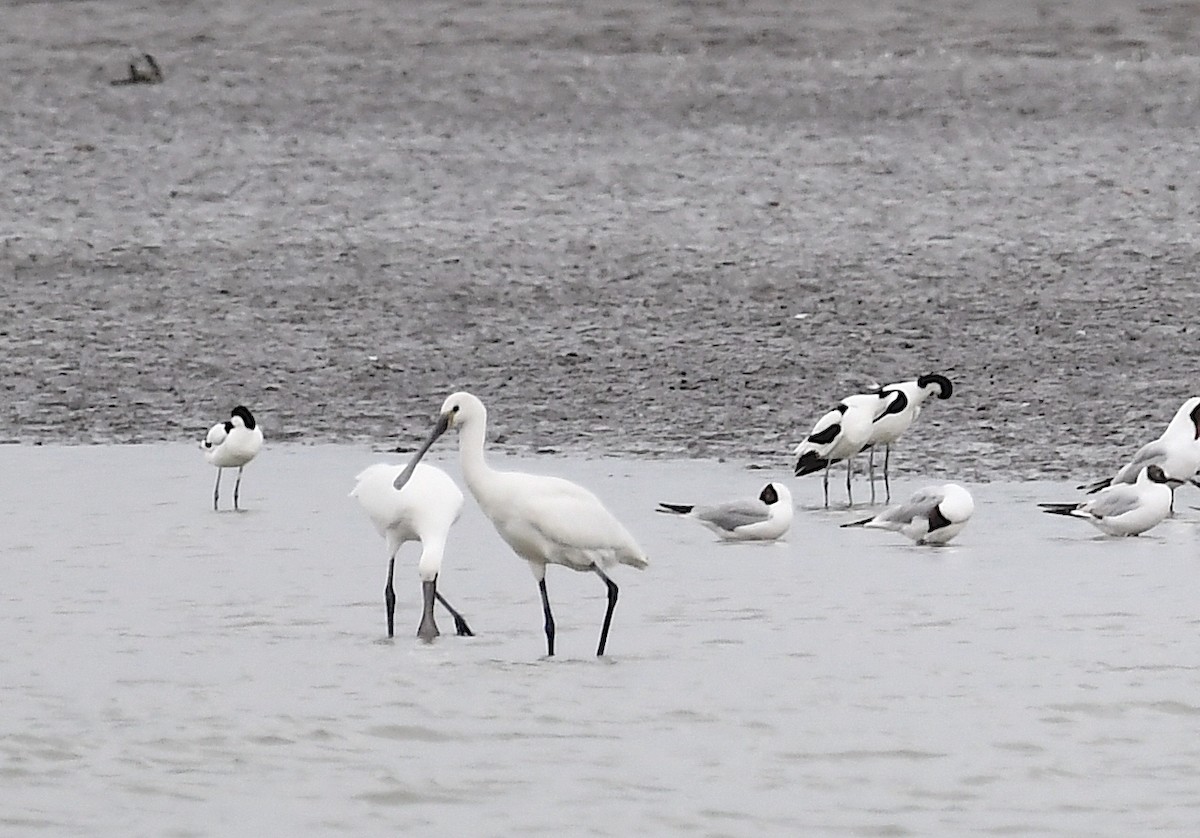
point(1176, 452)
point(545, 520)
point(903, 403)
point(839, 435)
point(933, 515)
point(232, 444)
point(1124, 509)
point(765, 519)
point(423, 510)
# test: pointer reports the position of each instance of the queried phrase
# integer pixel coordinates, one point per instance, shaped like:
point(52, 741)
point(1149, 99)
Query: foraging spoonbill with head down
point(545, 520)
point(422, 510)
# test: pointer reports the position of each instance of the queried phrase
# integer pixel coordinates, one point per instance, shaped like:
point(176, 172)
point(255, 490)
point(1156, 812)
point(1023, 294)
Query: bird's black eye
point(454, 409)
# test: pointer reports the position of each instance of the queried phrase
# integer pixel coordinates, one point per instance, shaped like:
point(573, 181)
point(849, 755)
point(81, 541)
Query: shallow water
point(168, 670)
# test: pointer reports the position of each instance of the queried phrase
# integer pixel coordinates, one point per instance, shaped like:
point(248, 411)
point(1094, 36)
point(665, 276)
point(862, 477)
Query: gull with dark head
point(1123, 508)
point(933, 515)
point(764, 519)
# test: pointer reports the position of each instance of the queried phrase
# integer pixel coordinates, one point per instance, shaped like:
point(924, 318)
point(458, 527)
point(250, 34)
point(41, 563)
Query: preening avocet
point(230, 444)
point(903, 403)
point(545, 520)
point(764, 519)
point(933, 515)
point(1176, 452)
point(423, 510)
point(839, 435)
point(1124, 509)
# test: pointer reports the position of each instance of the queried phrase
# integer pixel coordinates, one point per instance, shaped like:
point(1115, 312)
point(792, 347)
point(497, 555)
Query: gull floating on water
point(545, 520)
point(1176, 452)
point(904, 401)
point(839, 435)
point(933, 515)
point(423, 510)
point(765, 519)
point(1124, 509)
point(232, 443)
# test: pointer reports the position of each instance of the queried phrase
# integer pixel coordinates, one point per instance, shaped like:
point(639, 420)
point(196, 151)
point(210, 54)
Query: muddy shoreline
point(684, 231)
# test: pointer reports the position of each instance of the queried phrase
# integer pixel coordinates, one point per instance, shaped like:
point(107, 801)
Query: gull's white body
point(933, 515)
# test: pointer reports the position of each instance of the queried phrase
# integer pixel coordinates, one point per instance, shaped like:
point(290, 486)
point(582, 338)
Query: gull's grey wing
point(730, 516)
point(919, 505)
point(1152, 453)
point(1116, 500)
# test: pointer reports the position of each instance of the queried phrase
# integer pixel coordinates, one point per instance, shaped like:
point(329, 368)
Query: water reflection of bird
point(933, 515)
point(1124, 509)
point(545, 520)
point(423, 510)
point(766, 518)
point(232, 443)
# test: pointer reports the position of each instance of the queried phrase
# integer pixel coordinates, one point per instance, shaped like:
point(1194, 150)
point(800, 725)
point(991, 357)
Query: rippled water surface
point(168, 670)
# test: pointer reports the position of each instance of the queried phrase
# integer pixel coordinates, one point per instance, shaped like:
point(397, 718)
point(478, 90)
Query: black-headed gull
point(545, 520)
point(764, 519)
point(1124, 509)
point(232, 444)
point(424, 510)
point(933, 515)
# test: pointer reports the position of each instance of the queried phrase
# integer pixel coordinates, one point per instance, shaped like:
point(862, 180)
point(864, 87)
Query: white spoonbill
point(231, 443)
point(904, 401)
point(545, 520)
point(839, 435)
point(764, 519)
point(1124, 509)
point(1176, 452)
point(423, 510)
point(933, 515)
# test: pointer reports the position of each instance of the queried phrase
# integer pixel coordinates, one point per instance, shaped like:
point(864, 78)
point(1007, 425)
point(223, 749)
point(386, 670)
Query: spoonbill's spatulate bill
point(933, 515)
point(423, 510)
point(545, 520)
point(1124, 509)
point(903, 401)
point(1176, 452)
point(766, 518)
point(839, 435)
point(232, 444)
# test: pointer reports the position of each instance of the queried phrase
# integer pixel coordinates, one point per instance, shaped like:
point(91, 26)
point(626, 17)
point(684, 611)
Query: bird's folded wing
point(730, 516)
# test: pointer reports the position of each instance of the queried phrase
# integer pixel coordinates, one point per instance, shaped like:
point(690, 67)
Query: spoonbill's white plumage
point(232, 444)
point(902, 405)
point(839, 435)
point(545, 520)
point(1122, 508)
point(423, 510)
point(1176, 452)
point(933, 515)
point(764, 519)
